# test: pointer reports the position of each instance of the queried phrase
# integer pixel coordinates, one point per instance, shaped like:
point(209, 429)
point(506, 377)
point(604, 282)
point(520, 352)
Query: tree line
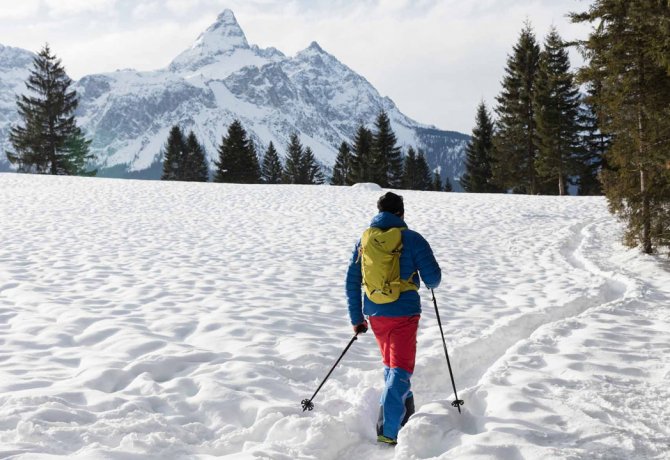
point(610, 136)
point(374, 156)
point(546, 134)
point(184, 159)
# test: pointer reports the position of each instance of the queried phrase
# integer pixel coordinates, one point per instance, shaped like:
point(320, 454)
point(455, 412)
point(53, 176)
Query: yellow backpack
point(379, 254)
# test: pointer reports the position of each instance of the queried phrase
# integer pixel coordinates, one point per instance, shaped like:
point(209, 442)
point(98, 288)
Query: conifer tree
point(410, 175)
point(252, 165)
point(77, 155)
point(48, 141)
point(437, 181)
point(515, 140)
point(556, 104)
point(361, 155)
point(478, 177)
point(271, 170)
point(386, 161)
point(173, 155)
point(447, 185)
point(293, 166)
point(310, 168)
point(238, 161)
point(342, 171)
point(424, 179)
point(634, 91)
point(194, 164)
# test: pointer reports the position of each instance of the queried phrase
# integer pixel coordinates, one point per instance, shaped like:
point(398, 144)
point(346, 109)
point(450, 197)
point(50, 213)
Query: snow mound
point(367, 187)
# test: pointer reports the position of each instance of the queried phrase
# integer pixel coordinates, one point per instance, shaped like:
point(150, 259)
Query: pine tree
point(361, 155)
point(48, 141)
point(515, 141)
point(293, 171)
point(173, 155)
point(424, 179)
point(77, 155)
point(447, 186)
point(194, 164)
point(410, 176)
point(311, 169)
point(624, 59)
point(271, 170)
point(386, 161)
point(342, 171)
point(557, 103)
point(478, 177)
point(252, 165)
point(238, 162)
point(437, 181)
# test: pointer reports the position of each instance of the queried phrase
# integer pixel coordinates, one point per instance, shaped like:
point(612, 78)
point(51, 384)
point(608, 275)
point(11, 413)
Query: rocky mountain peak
point(223, 37)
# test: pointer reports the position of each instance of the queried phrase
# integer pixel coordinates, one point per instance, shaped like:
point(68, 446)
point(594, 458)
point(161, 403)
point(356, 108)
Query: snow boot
point(383, 439)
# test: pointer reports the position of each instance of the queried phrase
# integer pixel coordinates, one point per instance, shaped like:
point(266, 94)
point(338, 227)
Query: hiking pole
point(457, 403)
point(307, 404)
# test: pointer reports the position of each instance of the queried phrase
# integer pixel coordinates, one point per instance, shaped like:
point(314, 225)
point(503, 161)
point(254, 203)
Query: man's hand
point(361, 328)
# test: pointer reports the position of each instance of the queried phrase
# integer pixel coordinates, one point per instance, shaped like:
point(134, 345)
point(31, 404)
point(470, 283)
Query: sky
point(436, 59)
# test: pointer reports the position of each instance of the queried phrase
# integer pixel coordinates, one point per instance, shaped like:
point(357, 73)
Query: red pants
point(396, 337)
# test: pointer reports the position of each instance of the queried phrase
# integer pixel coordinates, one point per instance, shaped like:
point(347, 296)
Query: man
point(395, 306)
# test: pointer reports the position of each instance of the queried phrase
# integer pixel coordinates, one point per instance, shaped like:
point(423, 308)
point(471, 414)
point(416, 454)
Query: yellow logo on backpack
point(380, 264)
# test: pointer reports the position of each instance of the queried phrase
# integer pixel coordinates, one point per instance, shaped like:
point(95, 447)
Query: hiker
point(387, 262)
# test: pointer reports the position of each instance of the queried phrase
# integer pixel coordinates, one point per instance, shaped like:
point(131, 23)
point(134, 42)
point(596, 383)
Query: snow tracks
point(585, 379)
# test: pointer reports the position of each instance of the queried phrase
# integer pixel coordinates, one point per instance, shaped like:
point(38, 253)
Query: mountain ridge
point(221, 77)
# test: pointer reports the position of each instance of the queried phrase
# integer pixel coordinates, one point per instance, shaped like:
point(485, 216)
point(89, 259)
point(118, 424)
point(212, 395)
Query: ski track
point(151, 320)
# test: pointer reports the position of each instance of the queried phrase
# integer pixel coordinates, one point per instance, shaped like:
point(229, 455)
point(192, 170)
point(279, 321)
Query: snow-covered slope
point(155, 320)
point(220, 78)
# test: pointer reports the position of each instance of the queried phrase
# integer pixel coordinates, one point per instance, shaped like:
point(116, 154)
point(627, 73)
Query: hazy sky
point(435, 58)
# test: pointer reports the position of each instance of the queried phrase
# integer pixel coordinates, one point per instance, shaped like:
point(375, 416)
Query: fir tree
point(447, 185)
point(293, 166)
point(410, 176)
point(557, 103)
point(238, 161)
point(194, 164)
point(478, 177)
point(437, 181)
point(342, 171)
point(424, 179)
point(361, 155)
point(515, 140)
point(271, 170)
point(623, 58)
point(386, 164)
point(48, 141)
point(173, 155)
point(78, 156)
point(311, 170)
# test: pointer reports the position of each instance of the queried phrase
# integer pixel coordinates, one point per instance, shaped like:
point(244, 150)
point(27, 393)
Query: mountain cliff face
point(220, 78)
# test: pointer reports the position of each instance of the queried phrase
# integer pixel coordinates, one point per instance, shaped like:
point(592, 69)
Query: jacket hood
point(386, 220)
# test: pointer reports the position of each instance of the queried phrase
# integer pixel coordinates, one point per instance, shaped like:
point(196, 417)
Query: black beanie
point(390, 202)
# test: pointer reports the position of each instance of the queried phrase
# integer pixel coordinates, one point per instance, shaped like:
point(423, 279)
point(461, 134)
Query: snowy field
point(143, 320)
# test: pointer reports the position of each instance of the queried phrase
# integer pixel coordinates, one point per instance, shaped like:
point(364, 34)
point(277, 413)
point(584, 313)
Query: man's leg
point(397, 342)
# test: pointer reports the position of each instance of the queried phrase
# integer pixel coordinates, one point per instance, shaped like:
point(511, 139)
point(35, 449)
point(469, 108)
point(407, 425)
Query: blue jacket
point(416, 256)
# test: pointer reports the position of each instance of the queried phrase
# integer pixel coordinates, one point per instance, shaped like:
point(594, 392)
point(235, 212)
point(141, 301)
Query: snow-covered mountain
point(220, 78)
point(15, 65)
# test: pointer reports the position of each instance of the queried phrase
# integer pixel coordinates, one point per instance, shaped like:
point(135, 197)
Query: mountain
point(15, 65)
point(220, 78)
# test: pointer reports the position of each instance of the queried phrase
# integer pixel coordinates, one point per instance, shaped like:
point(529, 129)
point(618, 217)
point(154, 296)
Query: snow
point(147, 320)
